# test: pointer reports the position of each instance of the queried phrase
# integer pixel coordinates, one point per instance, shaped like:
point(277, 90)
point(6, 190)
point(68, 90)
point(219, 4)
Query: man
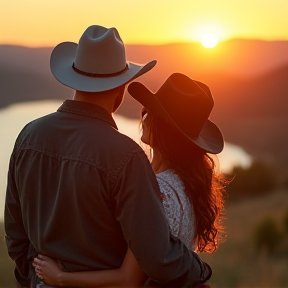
point(80, 191)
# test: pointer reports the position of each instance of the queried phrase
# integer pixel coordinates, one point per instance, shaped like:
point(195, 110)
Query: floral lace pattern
point(178, 209)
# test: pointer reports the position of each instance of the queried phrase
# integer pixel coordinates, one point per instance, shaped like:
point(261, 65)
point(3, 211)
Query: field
point(236, 264)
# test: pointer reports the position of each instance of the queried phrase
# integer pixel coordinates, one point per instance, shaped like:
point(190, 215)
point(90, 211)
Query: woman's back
point(178, 209)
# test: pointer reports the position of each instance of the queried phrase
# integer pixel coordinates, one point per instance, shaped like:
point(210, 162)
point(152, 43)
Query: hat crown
point(188, 102)
point(100, 51)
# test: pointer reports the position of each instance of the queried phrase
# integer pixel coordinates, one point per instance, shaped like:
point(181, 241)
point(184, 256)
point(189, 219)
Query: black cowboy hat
point(186, 105)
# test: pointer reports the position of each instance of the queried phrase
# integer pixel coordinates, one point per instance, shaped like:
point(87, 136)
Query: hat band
point(99, 75)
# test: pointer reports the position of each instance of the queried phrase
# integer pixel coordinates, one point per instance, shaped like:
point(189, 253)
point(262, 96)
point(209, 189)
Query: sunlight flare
point(209, 40)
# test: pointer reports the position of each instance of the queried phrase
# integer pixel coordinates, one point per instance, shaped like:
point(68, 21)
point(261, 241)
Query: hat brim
point(210, 138)
point(62, 59)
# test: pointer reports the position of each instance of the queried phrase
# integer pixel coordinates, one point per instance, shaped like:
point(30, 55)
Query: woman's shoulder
point(170, 184)
point(170, 178)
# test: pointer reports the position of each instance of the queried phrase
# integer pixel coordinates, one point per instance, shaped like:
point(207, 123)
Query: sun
point(209, 40)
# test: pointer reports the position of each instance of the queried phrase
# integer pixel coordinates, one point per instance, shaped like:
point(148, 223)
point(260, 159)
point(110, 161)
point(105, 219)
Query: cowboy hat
point(186, 105)
point(98, 63)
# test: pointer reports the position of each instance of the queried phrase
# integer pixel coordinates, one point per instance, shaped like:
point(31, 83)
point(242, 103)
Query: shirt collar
point(87, 109)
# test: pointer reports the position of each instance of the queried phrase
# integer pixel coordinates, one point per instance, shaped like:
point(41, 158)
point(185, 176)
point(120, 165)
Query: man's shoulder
point(36, 124)
point(39, 121)
point(124, 145)
point(128, 142)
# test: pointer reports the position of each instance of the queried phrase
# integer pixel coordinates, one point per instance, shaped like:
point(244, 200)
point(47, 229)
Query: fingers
point(38, 270)
point(37, 261)
point(38, 265)
point(43, 257)
point(41, 261)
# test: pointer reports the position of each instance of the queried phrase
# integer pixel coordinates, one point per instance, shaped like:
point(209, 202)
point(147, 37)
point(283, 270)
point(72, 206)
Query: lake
point(14, 117)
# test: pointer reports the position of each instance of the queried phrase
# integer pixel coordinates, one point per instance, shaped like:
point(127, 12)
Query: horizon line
point(155, 44)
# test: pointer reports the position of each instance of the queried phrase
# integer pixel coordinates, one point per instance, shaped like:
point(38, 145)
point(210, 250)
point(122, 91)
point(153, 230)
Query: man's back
point(69, 166)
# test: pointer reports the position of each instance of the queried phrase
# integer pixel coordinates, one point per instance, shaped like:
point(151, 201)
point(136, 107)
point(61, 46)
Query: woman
point(175, 125)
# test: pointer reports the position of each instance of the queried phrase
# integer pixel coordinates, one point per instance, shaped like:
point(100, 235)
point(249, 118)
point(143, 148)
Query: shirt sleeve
point(17, 241)
point(161, 256)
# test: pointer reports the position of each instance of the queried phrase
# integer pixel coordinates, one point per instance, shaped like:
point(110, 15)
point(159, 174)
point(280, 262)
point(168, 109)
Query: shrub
point(267, 236)
point(252, 181)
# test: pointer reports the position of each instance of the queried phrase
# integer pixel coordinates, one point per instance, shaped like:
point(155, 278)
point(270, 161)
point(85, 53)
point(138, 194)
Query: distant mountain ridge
point(248, 79)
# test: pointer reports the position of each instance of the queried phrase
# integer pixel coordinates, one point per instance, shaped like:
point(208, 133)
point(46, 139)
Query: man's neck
point(104, 100)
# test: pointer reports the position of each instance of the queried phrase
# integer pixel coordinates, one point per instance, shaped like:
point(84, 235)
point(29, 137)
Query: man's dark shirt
point(80, 191)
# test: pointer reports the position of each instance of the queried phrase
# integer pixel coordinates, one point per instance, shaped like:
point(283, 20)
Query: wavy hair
point(203, 186)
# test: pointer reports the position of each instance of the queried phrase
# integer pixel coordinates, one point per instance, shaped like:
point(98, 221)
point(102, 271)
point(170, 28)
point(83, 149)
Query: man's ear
point(119, 98)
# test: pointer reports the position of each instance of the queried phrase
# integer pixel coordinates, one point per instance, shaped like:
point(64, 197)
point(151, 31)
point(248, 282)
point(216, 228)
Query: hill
point(248, 79)
point(240, 57)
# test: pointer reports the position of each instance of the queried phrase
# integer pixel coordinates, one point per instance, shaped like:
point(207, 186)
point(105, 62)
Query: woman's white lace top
point(178, 209)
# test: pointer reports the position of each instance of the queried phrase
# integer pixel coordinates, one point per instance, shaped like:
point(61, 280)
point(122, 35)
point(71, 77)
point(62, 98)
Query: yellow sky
point(48, 22)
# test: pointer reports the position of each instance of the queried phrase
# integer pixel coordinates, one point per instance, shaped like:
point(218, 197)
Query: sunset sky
point(48, 22)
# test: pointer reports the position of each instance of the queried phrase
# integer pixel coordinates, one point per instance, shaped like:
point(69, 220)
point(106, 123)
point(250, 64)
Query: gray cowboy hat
point(186, 105)
point(98, 63)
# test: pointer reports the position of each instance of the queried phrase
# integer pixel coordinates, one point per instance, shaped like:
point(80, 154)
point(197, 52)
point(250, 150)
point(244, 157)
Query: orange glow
point(46, 23)
point(209, 40)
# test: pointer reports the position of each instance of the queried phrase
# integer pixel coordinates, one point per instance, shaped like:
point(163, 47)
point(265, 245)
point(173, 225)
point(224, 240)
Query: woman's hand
point(48, 270)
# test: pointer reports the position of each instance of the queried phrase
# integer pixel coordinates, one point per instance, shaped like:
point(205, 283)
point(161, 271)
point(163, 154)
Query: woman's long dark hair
point(204, 187)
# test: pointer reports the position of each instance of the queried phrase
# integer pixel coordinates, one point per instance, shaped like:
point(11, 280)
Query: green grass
point(236, 264)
